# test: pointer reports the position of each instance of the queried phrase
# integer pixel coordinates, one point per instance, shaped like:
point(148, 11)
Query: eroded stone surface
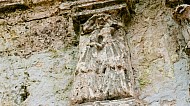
point(24, 39)
point(156, 46)
point(182, 16)
point(36, 66)
point(42, 79)
point(103, 69)
point(153, 41)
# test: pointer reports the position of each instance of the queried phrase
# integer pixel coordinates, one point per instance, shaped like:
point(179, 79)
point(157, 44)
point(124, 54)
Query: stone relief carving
point(103, 68)
point(182, 17)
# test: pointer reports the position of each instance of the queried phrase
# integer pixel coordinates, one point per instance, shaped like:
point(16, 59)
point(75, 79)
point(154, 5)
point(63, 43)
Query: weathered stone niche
point(104, 70)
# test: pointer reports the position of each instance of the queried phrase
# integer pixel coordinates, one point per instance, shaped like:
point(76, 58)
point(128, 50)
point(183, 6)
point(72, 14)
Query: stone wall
point(38, 57)
point(45, 58)
point(157, 55)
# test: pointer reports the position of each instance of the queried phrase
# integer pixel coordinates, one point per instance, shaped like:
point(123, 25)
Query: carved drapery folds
point(103, 68)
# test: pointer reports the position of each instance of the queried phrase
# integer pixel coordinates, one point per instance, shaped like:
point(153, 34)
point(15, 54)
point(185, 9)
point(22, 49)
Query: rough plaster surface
point(48, 79)
point(37, 62)
point(155, 47)
point(38, 57)
point(25, 38)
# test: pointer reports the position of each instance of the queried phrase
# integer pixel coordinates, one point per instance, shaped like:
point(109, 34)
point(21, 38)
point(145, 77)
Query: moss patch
point(144, 79)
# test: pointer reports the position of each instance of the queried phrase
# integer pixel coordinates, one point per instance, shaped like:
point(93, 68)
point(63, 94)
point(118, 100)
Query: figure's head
point(99, 21)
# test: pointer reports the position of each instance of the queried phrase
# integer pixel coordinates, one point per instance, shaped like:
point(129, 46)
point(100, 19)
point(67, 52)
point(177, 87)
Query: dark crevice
point(104, 70)
point(13, 8)
point(24, 95)
point(100, 39)
point(36, 19)
point(186, 1)
point(189, 89)
point(174, 3)
point(78, 21)
point(114, 98)
point(187, 51)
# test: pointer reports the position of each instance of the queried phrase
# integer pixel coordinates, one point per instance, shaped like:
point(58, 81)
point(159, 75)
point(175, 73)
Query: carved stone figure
point(103, 70)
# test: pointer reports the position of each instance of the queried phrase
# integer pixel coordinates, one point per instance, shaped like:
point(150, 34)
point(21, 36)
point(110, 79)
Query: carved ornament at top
point(86, 7)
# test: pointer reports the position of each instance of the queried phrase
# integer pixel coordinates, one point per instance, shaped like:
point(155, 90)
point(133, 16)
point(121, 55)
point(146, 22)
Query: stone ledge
point(12, 5)
point(120, 102)
point(95, 11)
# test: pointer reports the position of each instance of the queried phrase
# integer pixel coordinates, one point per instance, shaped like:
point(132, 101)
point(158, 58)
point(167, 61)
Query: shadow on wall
point(186, 1)
point(174, 3)
point(13, 8)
